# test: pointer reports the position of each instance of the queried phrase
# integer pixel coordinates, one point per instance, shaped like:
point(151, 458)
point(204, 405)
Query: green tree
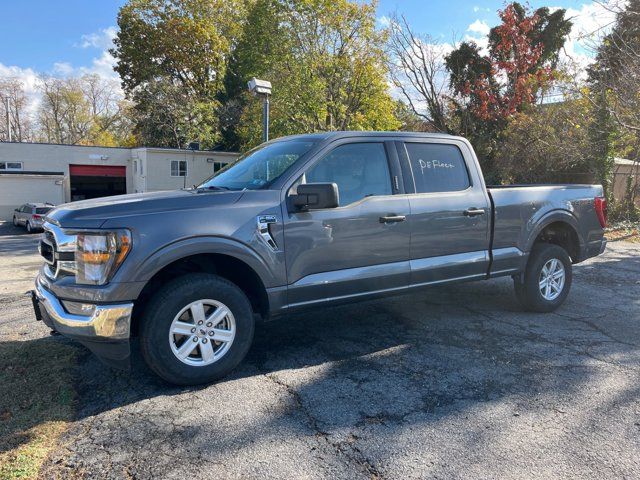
point(553, 138)
point(179, 50)
point(326, 61)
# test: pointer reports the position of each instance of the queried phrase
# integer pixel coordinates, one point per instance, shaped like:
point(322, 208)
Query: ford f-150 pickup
point(300, 222)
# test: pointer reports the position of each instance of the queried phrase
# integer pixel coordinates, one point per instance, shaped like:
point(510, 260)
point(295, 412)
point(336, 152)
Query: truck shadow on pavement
point(380, 367)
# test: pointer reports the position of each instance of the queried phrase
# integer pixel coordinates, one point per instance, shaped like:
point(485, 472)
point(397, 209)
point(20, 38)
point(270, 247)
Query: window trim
point(186, 169)
point(7, 169)
point(332, 147)
point(407, 161)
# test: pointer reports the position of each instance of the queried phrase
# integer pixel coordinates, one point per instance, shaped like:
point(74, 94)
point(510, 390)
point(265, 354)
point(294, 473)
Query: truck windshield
point(259, 167)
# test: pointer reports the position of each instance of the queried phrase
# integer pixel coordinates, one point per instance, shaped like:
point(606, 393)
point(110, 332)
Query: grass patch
point(37, 400)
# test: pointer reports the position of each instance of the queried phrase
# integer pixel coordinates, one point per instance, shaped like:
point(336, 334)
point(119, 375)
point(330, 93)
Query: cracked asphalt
point(453, 382)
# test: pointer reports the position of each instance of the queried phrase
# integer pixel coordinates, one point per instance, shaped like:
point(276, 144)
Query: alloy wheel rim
point(552, 278)
point(202, 332)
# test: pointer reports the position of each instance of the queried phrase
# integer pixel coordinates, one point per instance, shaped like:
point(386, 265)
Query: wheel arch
point(558, 228)
point(233, 262)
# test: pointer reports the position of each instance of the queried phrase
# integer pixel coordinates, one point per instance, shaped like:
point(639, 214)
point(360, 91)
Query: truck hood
point(94, 213)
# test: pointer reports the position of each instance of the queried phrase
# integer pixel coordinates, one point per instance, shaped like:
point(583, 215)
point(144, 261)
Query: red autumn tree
point(522, 53)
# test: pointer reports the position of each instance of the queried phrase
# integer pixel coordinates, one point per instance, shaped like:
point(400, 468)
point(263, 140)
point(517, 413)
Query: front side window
point(260, 167)
point(178, 168)
point(359, 169)
point(437, 167)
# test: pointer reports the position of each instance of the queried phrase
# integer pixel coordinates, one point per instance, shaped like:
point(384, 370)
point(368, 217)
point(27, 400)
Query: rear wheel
point(29, 229)
point(547, 279)
point(196, 329)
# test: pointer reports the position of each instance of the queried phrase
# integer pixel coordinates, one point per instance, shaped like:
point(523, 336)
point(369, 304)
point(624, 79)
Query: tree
point(167, 115)
point(180, 50)
point(418, 72)
point(326, 61)
point(490, 88)
point(614, 82)
point(553, 138)
point(88, 110)
point(64, 114)
point(14, 98)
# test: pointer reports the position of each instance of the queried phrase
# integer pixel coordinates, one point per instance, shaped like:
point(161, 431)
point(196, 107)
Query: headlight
point(99, 254)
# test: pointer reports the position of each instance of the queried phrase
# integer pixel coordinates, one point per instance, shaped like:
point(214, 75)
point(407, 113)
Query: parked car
point(31, 215)
point(300, 222)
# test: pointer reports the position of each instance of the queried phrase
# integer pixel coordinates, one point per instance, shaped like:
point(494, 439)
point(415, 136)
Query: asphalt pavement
point(452, 382)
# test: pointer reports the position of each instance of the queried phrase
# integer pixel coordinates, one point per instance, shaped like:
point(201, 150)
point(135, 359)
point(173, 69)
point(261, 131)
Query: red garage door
point(98, 170)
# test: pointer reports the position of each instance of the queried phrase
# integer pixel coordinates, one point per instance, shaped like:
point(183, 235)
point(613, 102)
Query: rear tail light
point(37, 217)
point(601, 210)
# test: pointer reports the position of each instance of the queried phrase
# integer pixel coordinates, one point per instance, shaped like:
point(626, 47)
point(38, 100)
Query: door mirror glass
point(313, 196)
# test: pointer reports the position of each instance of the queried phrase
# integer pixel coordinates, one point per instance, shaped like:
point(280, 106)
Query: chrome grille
point(58, 250)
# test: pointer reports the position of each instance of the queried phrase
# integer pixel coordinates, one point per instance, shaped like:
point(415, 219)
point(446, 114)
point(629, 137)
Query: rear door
point(360, 247)
point(450, 211)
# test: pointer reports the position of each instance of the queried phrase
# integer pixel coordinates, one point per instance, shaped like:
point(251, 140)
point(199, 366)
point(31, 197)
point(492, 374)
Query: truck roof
point(355, 133)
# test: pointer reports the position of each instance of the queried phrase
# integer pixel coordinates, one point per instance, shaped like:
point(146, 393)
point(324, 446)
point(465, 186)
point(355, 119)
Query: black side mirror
point(313, 196)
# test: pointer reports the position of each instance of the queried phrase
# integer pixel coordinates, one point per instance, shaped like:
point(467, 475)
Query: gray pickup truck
point(300, 222)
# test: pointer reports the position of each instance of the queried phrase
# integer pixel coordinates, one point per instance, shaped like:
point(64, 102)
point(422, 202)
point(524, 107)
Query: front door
point(450, 212)
point(358, 248)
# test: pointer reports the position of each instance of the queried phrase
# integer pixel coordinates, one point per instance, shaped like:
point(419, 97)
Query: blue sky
point(71, 35)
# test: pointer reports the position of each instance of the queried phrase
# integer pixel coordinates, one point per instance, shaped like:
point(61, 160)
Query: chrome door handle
point(472, 212)
point(393, 219)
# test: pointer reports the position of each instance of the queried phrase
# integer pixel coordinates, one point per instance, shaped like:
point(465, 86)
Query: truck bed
point(519, 211)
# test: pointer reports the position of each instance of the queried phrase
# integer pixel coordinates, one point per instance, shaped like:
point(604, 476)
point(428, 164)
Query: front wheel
point(547, 279)
point(196, 329)
point(15, 222)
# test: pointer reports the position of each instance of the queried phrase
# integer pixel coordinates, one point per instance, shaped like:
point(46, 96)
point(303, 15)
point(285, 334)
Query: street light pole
point(265, 119)
point(262, 88)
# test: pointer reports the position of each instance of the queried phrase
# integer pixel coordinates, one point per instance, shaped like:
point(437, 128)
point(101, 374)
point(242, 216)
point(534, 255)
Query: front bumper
point(106, 331)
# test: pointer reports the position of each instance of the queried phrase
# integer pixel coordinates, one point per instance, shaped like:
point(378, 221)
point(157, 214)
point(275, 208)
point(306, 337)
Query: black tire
point(29, 229)
point(168, 302)
point(15, 222)
point(527, 286)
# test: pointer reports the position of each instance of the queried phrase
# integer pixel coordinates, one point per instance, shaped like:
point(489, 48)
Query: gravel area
point(453, 382)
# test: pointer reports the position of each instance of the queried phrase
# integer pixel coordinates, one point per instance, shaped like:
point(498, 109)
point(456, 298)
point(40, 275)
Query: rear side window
point(42, 211)
point(437, 167)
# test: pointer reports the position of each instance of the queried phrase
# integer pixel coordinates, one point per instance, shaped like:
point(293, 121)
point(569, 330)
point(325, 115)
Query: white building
point(41, 172)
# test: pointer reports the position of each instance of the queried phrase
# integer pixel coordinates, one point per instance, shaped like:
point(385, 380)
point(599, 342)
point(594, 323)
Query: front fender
point(206, 244)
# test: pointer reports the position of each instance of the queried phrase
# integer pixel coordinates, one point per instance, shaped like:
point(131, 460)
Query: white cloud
point(479, 34)
point(102, 39)
point(101, 65)
point(480, 27)
point(29, 78)
point(590, 22)
point(477, 9)
point(384, 21)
